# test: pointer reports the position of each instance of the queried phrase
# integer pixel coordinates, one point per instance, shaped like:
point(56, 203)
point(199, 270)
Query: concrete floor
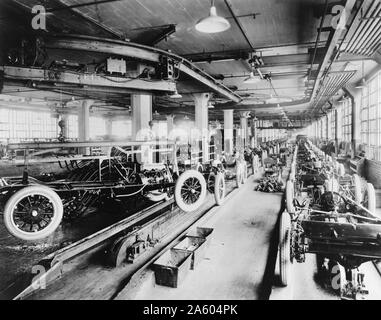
point(236, 262)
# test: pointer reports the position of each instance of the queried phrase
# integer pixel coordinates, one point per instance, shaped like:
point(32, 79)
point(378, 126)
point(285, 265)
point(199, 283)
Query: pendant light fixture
point(213, 23)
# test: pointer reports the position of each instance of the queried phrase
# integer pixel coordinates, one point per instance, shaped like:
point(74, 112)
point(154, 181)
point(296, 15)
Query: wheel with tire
point(219, 189)
point(371, 198)
point(284, 248)
point(190, 190)
point(290, 197)
point(33, 213)
point(357, 188)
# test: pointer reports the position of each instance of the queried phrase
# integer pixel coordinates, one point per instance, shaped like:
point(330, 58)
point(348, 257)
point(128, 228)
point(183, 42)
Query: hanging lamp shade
point(213, 23)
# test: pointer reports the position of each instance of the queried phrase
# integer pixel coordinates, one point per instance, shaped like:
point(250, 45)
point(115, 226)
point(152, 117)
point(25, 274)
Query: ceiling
point(284, 33)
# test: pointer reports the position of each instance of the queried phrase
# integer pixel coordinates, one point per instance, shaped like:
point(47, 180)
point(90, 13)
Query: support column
point(84, 124)
point(141, 105)
point(355, 133)
point(244, 127)
point(228, 132)
point(254, 133)
point(202, 122)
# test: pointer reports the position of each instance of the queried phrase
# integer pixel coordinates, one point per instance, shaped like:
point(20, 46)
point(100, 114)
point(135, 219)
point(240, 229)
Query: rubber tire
point(371, 198)
point(284, 248)
point(290, 197)
point(15, 198)
point(220, 178)
point(179, 183)
point(357, 188)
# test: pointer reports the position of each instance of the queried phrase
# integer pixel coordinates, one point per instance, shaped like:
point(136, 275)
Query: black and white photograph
point(189, 156)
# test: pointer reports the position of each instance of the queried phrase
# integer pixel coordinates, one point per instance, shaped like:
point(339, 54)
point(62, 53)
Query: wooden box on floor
point(196, 246)
point(172, 267)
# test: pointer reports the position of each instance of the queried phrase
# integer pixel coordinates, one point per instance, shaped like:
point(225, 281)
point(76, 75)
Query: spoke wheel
point(33, 213)
point(219, 189)
point(190, 190)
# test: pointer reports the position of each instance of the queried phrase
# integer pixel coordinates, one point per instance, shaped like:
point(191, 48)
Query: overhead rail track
point(139, 52)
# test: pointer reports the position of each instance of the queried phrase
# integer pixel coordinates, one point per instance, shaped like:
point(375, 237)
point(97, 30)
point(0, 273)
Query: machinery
point(33, 207)
point(333, 220)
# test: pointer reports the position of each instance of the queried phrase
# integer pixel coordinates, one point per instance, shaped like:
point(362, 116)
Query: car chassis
point(336, 228)
point(34, 207)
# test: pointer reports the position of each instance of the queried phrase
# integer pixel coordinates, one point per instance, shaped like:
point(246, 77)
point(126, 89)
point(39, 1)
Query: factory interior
point(190, 150)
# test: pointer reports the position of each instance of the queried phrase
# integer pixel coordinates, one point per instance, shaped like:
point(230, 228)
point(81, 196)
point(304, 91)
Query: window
point(347, 120)
point(97, 127)
point(121, 128)
point(370, 118)
point(72, 123)
point(16, 125)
